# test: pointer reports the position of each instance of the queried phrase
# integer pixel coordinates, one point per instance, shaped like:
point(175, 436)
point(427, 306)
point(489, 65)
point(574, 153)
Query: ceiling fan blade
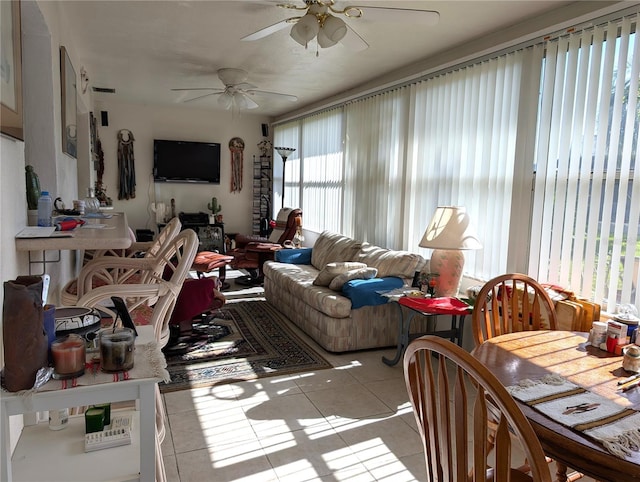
point(202, 96)
point(353, 41)
point(264, 32)
point(390, 14)
point(199, 88)
point(274, 95)
point(245, 86)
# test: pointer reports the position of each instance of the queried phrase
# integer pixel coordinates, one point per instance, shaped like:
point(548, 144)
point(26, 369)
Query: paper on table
point(36, 232)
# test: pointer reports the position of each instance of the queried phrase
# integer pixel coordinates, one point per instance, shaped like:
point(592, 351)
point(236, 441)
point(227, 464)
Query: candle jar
point(631, 359)
point(69, 356)
point(116, 350)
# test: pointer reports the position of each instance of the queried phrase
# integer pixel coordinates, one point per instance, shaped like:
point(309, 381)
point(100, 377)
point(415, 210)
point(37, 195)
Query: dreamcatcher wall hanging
point(126, 165)
point(236, 146)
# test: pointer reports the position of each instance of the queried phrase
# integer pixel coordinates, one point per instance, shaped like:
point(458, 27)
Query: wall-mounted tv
point(184, 161)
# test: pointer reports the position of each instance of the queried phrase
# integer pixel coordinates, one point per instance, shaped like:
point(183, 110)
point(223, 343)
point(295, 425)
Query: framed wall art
point(11, 71)
point(69, 104)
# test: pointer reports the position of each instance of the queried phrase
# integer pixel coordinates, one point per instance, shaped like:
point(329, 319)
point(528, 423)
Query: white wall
point(184, 124)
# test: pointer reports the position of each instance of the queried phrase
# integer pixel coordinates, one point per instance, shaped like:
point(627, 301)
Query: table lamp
point(284, 153)
point(448, 233)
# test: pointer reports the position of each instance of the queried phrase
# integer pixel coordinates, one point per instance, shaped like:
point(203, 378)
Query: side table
point(455, 307)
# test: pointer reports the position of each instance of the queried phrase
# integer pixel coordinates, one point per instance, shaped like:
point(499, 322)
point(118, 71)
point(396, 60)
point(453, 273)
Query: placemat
point(616, 427)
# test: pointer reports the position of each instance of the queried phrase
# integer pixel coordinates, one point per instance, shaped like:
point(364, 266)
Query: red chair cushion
point(207, 261)
point(196, 296)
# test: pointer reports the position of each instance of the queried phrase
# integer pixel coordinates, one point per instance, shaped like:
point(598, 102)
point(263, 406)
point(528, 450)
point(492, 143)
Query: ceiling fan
point(237, 92)
point(322, 19)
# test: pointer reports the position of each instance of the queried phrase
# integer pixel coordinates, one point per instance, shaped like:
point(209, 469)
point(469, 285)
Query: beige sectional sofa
point(326, 314)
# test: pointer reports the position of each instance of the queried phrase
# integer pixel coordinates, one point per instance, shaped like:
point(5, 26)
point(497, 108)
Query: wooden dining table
point(534, 354)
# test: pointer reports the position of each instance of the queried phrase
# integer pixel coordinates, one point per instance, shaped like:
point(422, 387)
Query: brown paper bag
point(24, 337)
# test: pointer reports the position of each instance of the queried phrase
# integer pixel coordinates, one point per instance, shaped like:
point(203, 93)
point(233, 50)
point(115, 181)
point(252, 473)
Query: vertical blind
point(464, 139)
point(322, 171)
point(287, 135)
point(585, 223)
point(375, 140)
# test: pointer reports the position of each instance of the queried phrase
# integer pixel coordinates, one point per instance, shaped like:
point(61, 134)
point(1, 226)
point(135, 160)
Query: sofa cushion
point(361, 273)
point(294, 256)
point(297, 280)
point(365, 292)
point(333, 247)
point(389, 262)
point(332, 270)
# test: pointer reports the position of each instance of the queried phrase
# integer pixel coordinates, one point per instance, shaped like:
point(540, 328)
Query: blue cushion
point(364, 292)
point(294, 256)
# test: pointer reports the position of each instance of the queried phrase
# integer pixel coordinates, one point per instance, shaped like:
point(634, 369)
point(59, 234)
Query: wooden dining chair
point(449, 390)
point(510, 303)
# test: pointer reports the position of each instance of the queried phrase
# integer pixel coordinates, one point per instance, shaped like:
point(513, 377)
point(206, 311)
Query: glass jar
point(69, 356)
point(116, 349)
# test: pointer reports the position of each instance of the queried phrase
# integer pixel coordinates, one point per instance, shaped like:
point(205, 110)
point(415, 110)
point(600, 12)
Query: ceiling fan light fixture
point(333, 30)
point(305, 29)
point(244, 102)
point(225, 101)
point(324, 41)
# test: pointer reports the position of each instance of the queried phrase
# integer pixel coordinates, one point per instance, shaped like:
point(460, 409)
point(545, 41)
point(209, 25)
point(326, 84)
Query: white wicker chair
point(119, 273)
point(159, 293)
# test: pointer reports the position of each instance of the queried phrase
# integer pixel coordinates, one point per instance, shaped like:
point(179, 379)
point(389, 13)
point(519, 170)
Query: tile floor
point(349, 423)
point(352, 422)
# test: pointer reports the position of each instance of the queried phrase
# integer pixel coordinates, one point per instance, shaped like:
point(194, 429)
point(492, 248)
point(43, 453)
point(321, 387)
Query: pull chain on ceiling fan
point(322, 21)
point(237, 92)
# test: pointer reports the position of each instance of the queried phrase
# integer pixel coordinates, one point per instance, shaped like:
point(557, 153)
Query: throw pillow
point(331, 270)
point(361, 273)
point(365, 292)
point(390, 262)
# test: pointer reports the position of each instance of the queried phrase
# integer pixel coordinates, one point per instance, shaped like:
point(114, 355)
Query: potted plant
point(215, 208)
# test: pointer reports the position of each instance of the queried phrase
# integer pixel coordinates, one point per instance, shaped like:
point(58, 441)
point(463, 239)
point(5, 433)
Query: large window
point(587, 197)
point(539, 144)
point(314, 173)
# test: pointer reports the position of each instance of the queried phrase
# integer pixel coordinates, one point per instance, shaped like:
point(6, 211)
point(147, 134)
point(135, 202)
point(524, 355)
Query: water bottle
point(45, 206)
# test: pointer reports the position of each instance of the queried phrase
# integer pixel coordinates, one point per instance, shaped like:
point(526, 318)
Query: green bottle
point(33, 188)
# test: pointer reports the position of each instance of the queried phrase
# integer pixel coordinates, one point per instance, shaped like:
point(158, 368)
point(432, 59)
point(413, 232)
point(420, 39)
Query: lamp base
point(449, 264)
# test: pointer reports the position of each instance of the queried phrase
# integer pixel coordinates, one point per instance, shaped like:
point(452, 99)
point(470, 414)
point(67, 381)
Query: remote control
point(106, 439)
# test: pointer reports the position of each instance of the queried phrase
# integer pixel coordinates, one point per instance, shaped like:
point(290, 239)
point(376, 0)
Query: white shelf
point(59, 456)
point(42, 443)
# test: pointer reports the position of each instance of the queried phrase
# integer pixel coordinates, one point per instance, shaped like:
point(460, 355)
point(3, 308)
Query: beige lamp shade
point(448, 233)
point(450, 228)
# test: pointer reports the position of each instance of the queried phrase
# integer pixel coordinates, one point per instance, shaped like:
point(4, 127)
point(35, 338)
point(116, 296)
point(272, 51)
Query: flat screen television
point(185, 161)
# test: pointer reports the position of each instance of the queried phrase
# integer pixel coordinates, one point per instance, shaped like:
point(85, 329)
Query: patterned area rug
point(246, 340)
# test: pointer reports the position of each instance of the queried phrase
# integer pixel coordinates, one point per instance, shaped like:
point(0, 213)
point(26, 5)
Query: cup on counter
point(69, 356)
point(116, 349)
point(598, 334)
point(78, 205)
